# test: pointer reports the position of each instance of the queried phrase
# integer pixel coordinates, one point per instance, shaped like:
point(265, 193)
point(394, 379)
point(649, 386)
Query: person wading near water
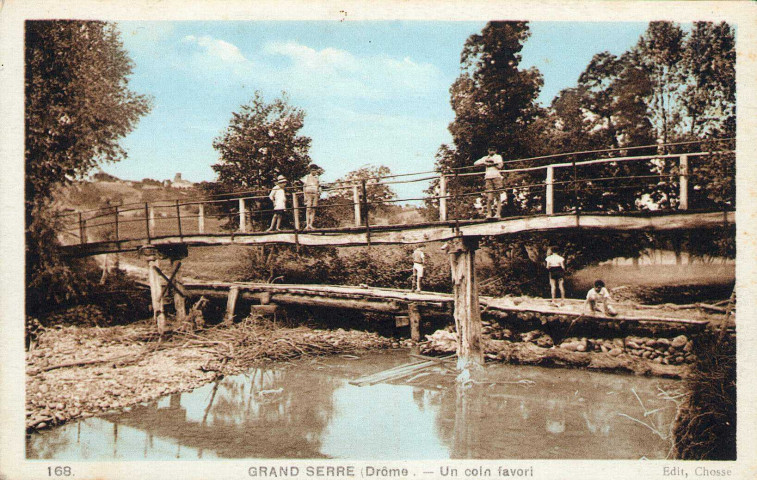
point(311, 192)
point(419, 262)
point(279, 198)
point(597, 295)
point(556, 267)
point(492, 181)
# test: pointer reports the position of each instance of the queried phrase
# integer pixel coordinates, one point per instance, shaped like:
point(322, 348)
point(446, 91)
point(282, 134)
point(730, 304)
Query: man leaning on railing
point(493, 182)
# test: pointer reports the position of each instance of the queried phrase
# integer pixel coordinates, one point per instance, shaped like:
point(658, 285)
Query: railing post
point(116, 223)
point(242, 216)
point(550, 183)
point(296, 210)
point(442, 198)
point(201, 219)
point(147, 221)
point(356, 203)
point(178, 217)
point(152, 219)
point(683, 183)
point(364, 202)
point(82, 240)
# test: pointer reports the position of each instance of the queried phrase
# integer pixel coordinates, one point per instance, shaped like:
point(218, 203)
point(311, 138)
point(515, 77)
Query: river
point(307, 409)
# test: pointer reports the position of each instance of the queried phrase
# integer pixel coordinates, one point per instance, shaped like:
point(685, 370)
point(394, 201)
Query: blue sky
point(374, 92)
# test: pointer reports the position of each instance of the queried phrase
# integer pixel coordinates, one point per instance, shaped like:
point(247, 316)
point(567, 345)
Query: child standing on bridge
point(279, 198)
point(492, 181)
point(311, 191)
point(419, 261)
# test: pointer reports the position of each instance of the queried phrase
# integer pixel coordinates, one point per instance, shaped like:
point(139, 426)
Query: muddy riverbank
point(77, 372)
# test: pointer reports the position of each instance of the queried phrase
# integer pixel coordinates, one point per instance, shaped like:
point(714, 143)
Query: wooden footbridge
point(668, 192)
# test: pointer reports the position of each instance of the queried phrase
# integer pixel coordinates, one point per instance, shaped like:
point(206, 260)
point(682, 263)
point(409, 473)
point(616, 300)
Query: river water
point(309, 410)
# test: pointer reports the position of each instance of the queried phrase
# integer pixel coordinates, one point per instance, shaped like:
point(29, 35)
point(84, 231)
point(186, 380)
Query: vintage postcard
point(402, 239)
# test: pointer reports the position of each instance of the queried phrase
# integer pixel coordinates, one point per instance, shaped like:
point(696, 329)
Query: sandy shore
point(134, 367)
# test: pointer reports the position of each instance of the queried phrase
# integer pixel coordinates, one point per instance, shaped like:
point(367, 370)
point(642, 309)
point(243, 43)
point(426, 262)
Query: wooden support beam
point(178, 297)
point(465, 291)
point(152, 219)
point(325, 302)
point(296, 211)
point(155, 292)
point(412, 234)
point(201, 218)
point(550, 183)
point(415, 322)
point(356, 204)
point(683, 182)
point(231, 303)
point(170, 281)
point(442, 198)
point(242, 216)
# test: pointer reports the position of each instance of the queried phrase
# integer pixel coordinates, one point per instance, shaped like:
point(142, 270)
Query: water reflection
point(310, 411)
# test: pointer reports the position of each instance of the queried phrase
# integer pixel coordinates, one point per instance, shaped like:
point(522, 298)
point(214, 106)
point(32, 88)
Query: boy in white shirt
point(492, 181)
point(597, 295)
point(279, 198)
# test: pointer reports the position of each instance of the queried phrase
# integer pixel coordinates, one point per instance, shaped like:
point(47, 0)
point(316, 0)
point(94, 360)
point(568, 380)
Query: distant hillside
point(104, 188)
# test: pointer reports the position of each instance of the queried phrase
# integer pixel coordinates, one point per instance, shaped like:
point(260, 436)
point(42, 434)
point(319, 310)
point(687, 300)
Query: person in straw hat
point(279, 199)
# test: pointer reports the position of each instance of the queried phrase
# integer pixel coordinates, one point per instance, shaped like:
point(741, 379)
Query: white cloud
point(215, 48)
point(334, 71)
point(309, 73)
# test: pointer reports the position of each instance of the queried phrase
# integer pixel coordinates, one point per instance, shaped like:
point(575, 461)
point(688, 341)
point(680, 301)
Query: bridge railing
point(619, 184)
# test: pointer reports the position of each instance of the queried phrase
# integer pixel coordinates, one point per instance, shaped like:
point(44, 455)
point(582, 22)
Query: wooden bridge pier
point(158, 290)
point(462, 255)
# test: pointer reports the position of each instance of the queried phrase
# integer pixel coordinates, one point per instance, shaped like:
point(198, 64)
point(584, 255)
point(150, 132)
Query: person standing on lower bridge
point(311, 192)
point(419, 265)
point(556, 267)
point(279, 198)
point(493, 182)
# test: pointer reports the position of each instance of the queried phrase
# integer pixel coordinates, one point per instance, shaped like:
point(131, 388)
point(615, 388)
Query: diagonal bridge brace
point(171, 282)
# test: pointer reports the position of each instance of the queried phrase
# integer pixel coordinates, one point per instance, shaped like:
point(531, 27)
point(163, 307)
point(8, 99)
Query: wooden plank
point(413, 234)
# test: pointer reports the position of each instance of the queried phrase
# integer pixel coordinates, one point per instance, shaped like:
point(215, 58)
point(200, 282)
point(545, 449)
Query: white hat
point(281, 178)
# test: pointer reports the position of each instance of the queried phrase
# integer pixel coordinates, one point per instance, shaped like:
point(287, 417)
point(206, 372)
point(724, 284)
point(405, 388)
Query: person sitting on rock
point(597, 295)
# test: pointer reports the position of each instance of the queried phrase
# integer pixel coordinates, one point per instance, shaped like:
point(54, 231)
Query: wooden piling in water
point(465, 292)
point(415, 321)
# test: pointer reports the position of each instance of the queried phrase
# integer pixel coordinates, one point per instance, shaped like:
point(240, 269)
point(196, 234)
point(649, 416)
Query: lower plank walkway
point(396, 301)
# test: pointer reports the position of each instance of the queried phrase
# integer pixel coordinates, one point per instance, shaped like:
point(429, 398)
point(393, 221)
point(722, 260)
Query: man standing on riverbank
point(556, 267)
point(493, 182)
point(419, 262)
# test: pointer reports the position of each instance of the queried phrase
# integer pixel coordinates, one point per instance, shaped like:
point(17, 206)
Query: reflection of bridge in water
point(305, 412)
point(667, 193)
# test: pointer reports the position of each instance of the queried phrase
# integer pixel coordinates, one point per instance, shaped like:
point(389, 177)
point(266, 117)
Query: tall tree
point(77, 100)
point(494, 103)
point(261, 142)
point(78, 106)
